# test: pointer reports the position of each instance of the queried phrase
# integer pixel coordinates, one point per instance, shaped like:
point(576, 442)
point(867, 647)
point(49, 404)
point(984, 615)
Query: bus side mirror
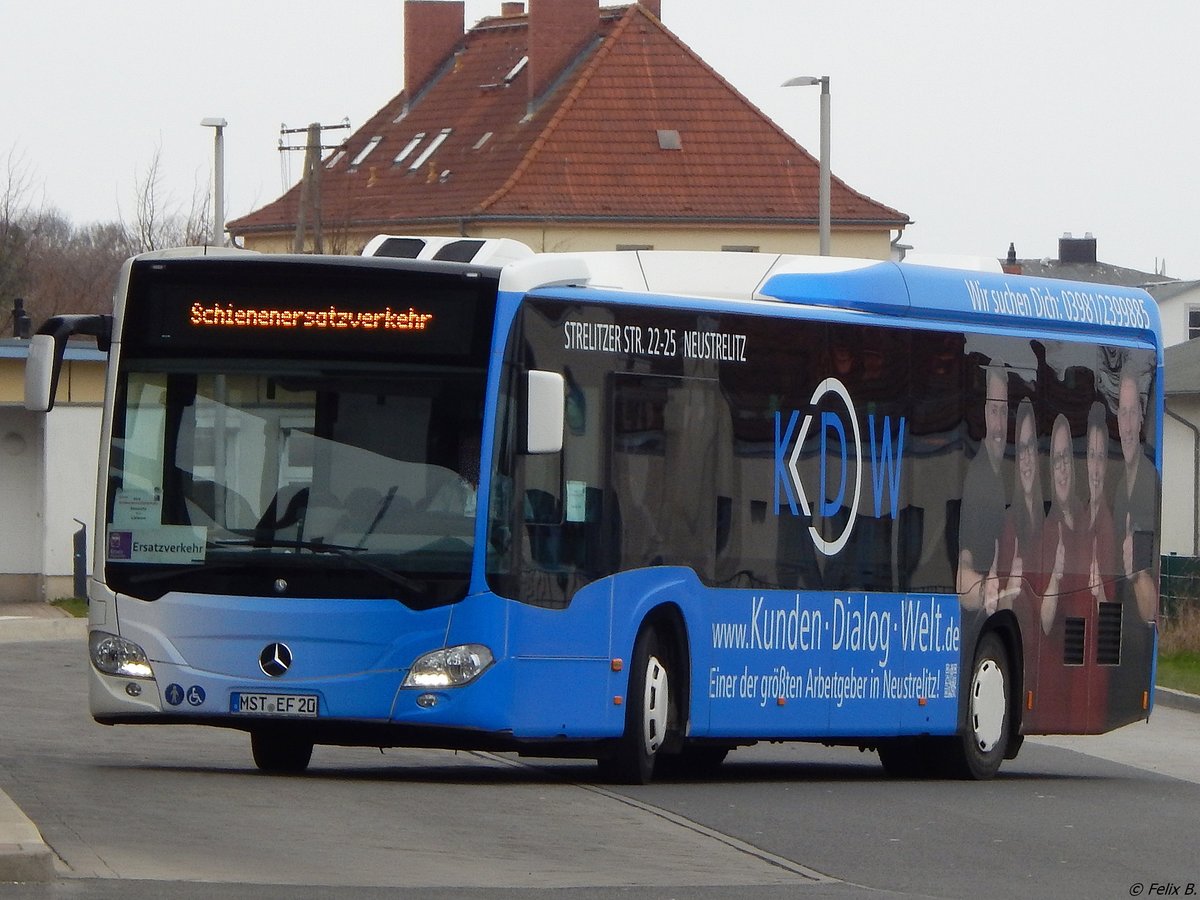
point(46, 351)
point(40, 373)
point(545, 412)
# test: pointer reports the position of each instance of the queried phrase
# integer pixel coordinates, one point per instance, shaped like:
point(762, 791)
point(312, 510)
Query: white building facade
point(47, 475)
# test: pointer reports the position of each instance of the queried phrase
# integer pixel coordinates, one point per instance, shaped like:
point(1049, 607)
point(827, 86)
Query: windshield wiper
point(206, 566)
point(316, 545)
point(379, 513)
point(409, 584)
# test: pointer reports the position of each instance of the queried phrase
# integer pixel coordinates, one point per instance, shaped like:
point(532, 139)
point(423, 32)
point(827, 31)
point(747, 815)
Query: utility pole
point(310, 180)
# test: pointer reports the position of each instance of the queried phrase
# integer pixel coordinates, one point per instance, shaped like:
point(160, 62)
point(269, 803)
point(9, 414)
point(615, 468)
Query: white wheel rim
point(987, 705)
point(655, 702)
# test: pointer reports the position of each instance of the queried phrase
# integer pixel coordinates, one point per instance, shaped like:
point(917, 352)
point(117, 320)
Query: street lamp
point(218, 226)
point(823, 215)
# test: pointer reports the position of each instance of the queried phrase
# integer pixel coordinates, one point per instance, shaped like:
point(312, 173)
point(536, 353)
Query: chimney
point(511, 8)
point(558, 30)
point(654, 7)
point(1010, 266)
point(1077, 250)
point(432, 29)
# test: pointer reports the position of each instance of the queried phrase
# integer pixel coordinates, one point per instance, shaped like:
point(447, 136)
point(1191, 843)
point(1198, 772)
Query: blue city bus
point(641, 507)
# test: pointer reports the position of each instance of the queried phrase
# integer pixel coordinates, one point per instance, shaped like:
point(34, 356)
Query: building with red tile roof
point(569, 127)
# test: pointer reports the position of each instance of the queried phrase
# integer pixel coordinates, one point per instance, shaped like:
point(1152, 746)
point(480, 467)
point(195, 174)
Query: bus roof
point(911, 290)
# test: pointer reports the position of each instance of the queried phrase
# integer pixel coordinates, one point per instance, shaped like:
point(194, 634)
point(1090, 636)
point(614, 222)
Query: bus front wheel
point(647, 714)
point(280, 753)
point(978, 752)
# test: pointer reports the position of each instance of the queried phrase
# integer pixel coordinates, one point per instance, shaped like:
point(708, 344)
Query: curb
point(1176, 699)
point(24, 856)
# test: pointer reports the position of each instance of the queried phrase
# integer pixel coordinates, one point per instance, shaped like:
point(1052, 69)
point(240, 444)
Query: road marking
point(732, 843)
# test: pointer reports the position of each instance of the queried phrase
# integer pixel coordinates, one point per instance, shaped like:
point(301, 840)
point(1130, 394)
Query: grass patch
point(1180, 671)
point(1179, 649)
point(72, 605)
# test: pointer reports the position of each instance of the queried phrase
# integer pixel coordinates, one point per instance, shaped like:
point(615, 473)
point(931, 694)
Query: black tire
point(279, 752)
point(648, 715)
point(977, 753)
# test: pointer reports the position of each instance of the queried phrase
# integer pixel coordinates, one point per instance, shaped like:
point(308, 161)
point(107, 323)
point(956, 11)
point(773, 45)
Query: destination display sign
point(272, 307)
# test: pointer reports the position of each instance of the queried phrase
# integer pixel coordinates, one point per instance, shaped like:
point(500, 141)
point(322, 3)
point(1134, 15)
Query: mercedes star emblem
point(275, 659)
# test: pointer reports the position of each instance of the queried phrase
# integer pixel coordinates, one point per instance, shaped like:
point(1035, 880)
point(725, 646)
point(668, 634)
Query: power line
point(310, 178)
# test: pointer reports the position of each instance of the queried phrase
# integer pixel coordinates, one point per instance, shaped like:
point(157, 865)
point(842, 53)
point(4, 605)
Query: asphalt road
point(147, 812)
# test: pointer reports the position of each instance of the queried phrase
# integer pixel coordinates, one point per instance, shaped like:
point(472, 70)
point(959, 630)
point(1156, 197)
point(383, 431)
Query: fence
point(1179, 587)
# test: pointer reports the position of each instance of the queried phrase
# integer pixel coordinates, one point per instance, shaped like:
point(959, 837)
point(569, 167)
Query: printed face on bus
point(1097, 462)
point(1027, 454)
point(1129, 418)
point(1061, 461)
point(995, 411)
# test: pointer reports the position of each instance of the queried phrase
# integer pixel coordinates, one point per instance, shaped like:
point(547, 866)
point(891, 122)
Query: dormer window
point(431, 149)
point(409, 148)
point(365, 151)
point(516, 70)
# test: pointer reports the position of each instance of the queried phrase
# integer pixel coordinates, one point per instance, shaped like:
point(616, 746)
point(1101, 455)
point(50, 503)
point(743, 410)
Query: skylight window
point(335, 159)
point(366, 151)
point(431, 149)
point(516, 70)
point(409, 148)
point(483, 140)
point(669, 139)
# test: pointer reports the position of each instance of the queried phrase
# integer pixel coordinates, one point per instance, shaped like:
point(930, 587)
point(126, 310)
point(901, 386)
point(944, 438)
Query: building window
point(1193, 322)
point(516, 70)
point(366, 151)
point(409, 148)
point(635, 246)
point(739, 248)
point(430, 150)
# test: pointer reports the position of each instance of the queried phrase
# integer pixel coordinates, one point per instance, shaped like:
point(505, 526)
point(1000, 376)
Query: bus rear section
point(807, 506)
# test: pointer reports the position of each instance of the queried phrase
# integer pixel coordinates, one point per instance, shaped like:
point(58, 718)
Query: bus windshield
point(367, 474)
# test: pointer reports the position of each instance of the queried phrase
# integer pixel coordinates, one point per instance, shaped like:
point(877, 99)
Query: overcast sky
point(985, 122)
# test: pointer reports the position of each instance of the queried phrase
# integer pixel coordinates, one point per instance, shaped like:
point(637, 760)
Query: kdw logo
point(885, 462)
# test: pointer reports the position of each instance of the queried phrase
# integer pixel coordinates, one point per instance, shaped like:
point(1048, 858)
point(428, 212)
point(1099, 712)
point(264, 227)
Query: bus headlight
point(450, 667)
point(116, 656)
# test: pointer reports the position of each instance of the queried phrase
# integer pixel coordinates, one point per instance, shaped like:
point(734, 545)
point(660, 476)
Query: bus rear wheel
point(977, 753)
point(647, 714)
point(280, 752)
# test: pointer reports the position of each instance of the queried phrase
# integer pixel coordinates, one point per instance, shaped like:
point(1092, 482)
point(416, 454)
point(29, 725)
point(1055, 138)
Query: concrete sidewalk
point(23, 622)
point(25, 857)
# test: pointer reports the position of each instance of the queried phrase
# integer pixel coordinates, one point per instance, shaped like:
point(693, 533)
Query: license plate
point(304, 705)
